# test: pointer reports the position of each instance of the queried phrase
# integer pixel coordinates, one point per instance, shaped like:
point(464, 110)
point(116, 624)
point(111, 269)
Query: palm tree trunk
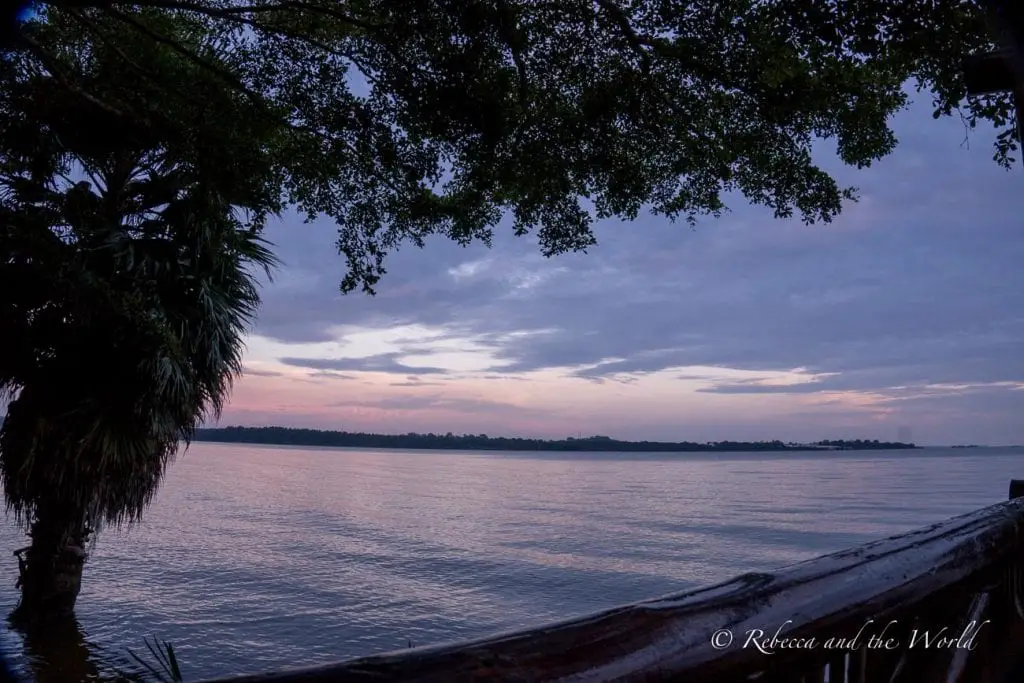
point(51, 567)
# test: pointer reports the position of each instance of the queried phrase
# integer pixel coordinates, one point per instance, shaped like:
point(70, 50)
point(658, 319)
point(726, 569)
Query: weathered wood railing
point(944, 603)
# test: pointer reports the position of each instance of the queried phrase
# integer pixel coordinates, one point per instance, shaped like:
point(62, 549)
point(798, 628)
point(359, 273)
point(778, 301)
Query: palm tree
point(127, 281)
point(138, 341)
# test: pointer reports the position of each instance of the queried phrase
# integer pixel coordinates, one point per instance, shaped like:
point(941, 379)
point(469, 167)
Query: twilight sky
point(906, 312)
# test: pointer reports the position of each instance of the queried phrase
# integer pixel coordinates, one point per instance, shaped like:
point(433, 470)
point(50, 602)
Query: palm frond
point(159, 666)
point(166, 669)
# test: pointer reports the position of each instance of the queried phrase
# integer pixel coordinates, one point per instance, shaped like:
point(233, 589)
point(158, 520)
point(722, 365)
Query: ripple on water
point(258, 558)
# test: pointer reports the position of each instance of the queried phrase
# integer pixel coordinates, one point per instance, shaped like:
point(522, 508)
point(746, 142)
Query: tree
point(400, 121)
point(559, 112)
point(125, 298)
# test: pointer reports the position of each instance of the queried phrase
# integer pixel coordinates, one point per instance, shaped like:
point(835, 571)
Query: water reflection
point(256, 558)
point(60, 653)
point(57, 653)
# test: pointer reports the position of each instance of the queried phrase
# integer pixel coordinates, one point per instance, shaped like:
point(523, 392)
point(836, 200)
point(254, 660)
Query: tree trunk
point(50, 569)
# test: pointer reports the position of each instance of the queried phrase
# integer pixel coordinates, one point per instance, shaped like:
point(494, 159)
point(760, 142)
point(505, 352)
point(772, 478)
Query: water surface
point(257, 558)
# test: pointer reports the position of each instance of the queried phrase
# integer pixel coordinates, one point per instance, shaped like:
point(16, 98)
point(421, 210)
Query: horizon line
point(577, 438)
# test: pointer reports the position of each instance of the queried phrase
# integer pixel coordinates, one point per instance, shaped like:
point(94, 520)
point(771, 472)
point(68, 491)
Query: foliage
point(403, 120)
point(158, 664)
point(166, 669)
point(126, 267)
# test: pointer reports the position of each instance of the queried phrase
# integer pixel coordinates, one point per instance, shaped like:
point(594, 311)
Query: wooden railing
point(940, 604)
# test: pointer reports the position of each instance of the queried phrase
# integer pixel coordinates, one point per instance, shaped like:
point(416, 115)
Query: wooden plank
point(958, 662)
point(856, 671)
point(672, 636)
point(1007, 19)
point(988, 73)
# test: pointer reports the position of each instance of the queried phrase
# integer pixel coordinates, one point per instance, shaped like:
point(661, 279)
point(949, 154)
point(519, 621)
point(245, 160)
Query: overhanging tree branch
point(636, 44)
point(287, 5)
point(90, 25)
point(51, 65)
point(223, 74)
point(513, 38)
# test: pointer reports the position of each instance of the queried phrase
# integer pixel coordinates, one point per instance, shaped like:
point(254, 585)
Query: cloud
point(384, 362)
point(470, 269)
point(261, 373)
point(438, 402)
point(330, 374)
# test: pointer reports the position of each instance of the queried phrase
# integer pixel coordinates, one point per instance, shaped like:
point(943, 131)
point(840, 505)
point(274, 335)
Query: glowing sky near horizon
point(906, 312)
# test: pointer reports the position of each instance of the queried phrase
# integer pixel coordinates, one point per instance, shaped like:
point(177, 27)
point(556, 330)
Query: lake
point(256, 558)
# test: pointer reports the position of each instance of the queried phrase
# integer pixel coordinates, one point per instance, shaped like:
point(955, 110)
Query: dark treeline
point(287, 436)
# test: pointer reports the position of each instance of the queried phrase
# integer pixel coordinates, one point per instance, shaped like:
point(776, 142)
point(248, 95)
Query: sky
point(904, 318)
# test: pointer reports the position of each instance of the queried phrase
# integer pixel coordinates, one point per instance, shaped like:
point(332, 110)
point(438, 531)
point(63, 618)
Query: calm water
point(255, 558)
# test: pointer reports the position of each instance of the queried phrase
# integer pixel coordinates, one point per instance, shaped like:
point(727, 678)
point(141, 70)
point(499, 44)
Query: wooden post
point(1016, 488)
point(993, 72)
point(1003, 70)
point(1007, 21)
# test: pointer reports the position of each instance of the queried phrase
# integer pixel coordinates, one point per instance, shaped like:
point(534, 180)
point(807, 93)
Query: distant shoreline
point(287, 436)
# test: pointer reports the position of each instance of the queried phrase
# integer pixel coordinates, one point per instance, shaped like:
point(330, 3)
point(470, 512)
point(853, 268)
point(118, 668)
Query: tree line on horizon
point(293, 436)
